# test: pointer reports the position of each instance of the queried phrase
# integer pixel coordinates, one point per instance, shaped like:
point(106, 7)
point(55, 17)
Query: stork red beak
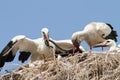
point(103, 44)
point(76, 46)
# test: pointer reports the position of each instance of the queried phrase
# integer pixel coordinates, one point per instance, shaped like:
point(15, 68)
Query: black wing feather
point(113, 35)
point(24, 56)
point(7, 57)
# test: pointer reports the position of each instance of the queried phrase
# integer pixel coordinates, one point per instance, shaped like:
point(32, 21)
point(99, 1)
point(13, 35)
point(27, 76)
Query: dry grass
point(78, 67)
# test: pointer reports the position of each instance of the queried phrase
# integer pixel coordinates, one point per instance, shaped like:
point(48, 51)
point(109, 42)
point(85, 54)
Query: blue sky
point(62, 18)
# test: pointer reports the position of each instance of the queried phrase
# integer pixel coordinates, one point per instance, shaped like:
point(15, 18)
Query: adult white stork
point(94, 33)
point(109, 43)
point(39, 49)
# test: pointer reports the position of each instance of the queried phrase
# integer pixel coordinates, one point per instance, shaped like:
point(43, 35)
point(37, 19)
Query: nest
point(78, 67)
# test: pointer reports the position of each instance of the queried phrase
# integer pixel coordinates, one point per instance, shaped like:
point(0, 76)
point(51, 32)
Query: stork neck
point(82, 35)
point(113, 47)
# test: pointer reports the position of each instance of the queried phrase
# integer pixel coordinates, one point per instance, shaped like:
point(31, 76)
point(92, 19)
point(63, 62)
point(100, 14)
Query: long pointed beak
point(46, 37)
point(100, 45)
point(76, 46)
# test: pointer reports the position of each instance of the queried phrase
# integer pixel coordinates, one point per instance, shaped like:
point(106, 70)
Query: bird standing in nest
point(93, 34)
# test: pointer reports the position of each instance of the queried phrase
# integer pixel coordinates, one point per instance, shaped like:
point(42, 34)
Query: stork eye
point(103, 34)
point(43, 32)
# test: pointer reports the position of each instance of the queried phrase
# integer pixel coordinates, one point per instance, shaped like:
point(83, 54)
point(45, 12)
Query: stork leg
point(73, 51)
point(90, 50)
point(102, 49)
point(54, 57)
point(44, 58)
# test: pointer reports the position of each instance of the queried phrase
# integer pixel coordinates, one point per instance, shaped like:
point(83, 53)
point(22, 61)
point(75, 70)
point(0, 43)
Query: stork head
point(45, 34)
point(106, 43)
point(77, 38)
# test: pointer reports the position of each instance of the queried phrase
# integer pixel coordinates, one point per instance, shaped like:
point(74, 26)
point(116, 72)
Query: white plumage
point(66, 44)
point(109, 43)
point(94, 33)
point(40, 48)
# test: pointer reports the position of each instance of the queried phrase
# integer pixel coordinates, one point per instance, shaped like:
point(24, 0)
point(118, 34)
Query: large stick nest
point(79, 67)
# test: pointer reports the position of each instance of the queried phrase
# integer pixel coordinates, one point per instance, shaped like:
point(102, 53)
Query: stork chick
point(109, 43)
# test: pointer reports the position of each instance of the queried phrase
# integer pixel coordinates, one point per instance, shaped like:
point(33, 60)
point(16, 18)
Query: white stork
point(67, 46)
point(39, 48)
point(94, 33)
point(109, 43)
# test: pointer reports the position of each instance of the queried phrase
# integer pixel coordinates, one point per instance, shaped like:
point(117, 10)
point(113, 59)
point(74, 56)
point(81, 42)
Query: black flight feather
point(24, 56)
point(113, 35)
point(7, 57)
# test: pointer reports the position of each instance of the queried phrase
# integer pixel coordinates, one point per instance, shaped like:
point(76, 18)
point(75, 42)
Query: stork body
point(93, 34)
point(67, 46)
point(39, 49)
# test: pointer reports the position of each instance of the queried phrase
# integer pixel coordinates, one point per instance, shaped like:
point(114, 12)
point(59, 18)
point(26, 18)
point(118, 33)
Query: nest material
point(78, 67)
